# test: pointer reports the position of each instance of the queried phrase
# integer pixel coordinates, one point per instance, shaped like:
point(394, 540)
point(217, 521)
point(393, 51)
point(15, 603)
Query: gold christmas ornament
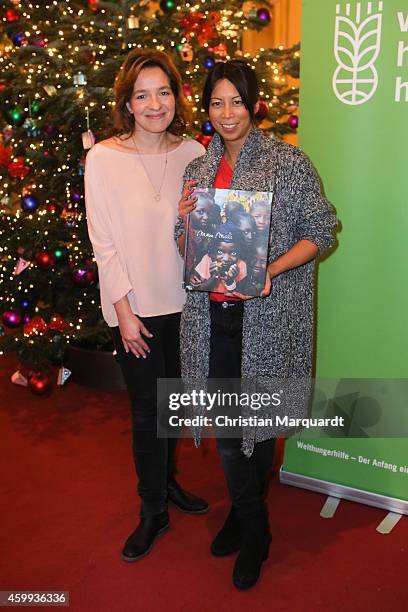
point(186, 53)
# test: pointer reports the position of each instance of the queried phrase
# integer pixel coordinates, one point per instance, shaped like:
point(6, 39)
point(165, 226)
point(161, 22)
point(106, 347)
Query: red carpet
point(69, 501)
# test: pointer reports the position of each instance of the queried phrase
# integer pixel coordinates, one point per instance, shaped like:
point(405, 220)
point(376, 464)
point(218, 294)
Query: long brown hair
point(123, 120)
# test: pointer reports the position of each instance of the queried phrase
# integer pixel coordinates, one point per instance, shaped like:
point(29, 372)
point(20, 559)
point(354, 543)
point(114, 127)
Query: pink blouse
point(131, 232)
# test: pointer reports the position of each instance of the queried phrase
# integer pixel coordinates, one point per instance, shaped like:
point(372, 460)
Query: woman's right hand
point(132, 331)
point(187, 203)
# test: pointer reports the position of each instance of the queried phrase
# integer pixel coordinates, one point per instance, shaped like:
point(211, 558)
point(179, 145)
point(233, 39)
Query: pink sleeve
point(112, 277)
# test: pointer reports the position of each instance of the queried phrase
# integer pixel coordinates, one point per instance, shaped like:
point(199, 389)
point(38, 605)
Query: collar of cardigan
point(249, 173)
point(253, 140)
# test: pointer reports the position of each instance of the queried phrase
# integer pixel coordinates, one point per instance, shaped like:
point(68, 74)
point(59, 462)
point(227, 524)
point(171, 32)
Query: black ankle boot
point(228, 539)
point(185, 501)
point(253, 552)
point(140, 542)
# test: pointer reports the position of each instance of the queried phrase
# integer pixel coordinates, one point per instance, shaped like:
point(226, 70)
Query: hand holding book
point(187, 200)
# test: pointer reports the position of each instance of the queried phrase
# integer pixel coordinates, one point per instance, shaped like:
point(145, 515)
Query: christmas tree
point(58, 64)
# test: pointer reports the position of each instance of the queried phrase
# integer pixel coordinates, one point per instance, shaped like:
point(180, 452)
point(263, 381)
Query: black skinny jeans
point(246, 477)
point(154, 457)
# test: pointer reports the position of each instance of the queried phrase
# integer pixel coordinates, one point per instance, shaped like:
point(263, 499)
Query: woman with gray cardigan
point(271, 336)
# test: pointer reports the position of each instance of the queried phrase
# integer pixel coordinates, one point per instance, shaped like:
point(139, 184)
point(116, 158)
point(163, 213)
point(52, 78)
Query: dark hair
point(135, 62)
point(242, 216)
point(241, 76)
point(205, 195)
point(233, 207)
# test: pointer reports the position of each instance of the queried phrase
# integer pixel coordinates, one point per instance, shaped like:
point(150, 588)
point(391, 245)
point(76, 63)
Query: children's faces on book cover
point(227, 241)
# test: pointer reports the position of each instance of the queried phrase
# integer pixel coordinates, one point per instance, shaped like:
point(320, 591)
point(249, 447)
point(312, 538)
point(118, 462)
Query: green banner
point(354, 127)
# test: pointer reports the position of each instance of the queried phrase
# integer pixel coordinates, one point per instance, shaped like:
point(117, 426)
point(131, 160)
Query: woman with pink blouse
point(133, 183)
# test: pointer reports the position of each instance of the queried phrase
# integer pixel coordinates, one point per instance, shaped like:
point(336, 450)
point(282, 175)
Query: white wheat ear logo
point(357, 44)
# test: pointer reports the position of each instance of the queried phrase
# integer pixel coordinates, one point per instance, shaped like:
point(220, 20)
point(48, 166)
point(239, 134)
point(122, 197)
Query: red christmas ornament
point(5, 155)
point(52, 207)
point(39, 383)
point(262, 111)
point(187, 90)
point(58, 323)
point(11, 15)
point(93, 5)
point(17, 169)
point(204, 140)
point(35, 327)
point(45, 259)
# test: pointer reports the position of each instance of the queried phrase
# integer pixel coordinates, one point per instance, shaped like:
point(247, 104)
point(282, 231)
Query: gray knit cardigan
point(278, 330)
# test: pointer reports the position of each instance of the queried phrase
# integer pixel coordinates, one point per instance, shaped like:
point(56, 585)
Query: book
point(227, 237)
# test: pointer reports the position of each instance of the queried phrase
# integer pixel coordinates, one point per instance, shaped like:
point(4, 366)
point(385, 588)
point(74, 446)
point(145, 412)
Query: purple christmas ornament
point(75, 196)
point(263, 15)
point(11, 319)
point(293, 121)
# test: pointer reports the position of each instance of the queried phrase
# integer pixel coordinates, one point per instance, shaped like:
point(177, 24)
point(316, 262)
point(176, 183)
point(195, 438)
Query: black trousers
point(154, 457)
point(246, 477)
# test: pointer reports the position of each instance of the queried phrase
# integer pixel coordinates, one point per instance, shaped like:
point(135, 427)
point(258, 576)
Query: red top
point(222, 181)
point(224, 175)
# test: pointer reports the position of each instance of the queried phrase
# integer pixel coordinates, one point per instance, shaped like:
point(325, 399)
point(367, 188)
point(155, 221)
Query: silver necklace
point(157, 194)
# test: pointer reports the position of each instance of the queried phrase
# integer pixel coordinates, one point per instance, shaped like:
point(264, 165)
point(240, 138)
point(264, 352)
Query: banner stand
point(329, 507)
point(353, 125)
point(392, 504)
point(388, 523)
point(385, 527)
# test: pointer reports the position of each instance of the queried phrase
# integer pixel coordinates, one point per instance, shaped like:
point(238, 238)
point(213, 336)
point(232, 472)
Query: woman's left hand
point(268, 285)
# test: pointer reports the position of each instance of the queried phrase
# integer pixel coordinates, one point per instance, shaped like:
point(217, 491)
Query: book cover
point(227, 238)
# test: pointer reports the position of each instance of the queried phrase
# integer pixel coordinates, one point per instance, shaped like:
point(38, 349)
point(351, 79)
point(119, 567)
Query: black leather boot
point(228, 539)
point(140, 542)
point(253, 552)
point(185, 501)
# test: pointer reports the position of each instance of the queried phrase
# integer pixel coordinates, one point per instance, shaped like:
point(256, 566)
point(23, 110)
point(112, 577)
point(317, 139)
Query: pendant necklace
point(157, 194)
